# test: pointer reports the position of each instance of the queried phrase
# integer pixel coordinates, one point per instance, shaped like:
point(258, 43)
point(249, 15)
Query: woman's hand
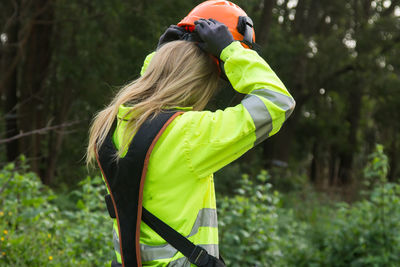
point(214, 34)
point(173, 33)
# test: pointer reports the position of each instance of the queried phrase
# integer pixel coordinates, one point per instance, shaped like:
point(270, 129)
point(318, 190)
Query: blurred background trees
point(62, 60)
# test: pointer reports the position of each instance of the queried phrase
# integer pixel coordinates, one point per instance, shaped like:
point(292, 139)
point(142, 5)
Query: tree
point(325, 54)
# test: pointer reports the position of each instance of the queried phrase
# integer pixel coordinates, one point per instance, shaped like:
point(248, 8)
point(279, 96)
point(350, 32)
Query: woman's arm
point(269, 102)
point(214, 139)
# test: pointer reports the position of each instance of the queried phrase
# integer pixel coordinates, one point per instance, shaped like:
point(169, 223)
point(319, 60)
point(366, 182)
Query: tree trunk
point(8, 83)
point(314, 164)
point(333, 168)
point(265, 22)
point(279, 148)
point(56, 138)
point(37, 59)
point(350, 148)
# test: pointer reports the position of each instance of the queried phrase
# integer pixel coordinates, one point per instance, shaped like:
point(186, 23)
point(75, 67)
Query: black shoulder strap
point(195, 254)
point(125, 180)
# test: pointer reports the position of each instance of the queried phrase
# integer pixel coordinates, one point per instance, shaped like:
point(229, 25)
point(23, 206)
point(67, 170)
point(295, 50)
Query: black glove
point(173, 33)
point(215, 36)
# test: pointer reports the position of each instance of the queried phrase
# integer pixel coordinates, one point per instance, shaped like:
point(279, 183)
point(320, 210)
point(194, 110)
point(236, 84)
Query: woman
point(178, 186)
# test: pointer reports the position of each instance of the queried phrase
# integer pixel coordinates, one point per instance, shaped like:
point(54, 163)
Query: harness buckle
point(199, 256)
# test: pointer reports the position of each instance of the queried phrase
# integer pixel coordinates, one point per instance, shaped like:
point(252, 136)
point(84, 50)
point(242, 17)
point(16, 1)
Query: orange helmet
point(237, 21)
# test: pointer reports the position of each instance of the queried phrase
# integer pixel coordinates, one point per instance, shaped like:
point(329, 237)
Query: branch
point(39, 131)
point(13, 17)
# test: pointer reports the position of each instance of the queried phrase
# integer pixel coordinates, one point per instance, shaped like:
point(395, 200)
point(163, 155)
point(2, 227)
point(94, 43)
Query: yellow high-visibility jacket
point(179, 186)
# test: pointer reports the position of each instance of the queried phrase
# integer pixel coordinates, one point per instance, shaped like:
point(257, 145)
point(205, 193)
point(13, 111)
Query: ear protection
point(245, 28)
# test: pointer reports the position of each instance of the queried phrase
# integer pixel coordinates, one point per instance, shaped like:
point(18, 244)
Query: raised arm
point(214, 139)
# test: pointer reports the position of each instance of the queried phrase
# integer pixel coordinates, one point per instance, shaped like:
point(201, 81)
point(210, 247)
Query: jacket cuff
point(230, 49)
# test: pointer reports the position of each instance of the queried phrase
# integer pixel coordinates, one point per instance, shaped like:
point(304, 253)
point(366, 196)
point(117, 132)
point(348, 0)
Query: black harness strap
point(195, 254)
point(125, 180)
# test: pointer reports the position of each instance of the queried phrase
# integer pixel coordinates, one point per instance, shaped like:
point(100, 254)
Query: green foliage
point(256, 230)
point(377, 168)
point(363, 234)
point(368, 233)
point(35, 232)
point(248, 224)
point(256, 227)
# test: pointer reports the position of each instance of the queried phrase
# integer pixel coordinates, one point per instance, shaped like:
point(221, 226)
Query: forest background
point(335, 163)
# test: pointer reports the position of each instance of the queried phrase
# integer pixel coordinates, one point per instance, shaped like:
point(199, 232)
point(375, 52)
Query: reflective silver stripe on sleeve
point(285, 102)
point(260, 114)
point(212, 249)
point(205, 218)
point(116, 241)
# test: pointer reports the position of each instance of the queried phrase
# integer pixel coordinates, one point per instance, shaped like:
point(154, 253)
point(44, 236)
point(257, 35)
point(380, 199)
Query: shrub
point(255, 230)
point(368, 233)
point(365, 233)
point(248, 224)
point(35, 232)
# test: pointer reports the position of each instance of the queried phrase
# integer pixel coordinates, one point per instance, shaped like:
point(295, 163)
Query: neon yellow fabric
point(179, 182)
point(146, 62)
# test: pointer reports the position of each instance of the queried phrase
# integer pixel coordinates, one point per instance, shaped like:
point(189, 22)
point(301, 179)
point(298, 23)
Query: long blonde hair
point(179, 74)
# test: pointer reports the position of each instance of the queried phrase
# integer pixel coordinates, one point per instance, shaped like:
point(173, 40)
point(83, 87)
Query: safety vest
point(179, 186)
